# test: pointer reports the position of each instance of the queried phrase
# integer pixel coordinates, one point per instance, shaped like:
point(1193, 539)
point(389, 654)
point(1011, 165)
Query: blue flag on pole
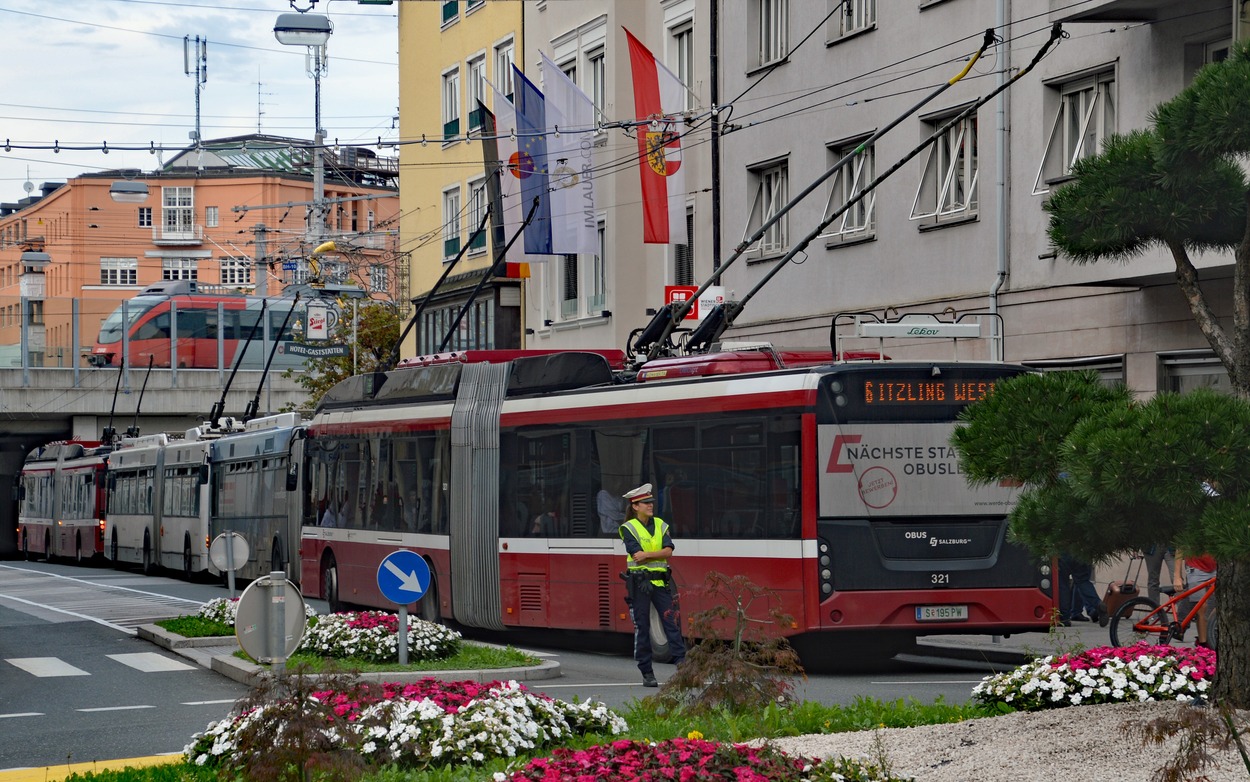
point(532, 151)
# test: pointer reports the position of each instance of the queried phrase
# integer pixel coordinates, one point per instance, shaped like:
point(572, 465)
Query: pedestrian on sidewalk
point(1078, 600)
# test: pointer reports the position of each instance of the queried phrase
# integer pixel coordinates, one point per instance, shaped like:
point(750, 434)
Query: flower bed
point(363, 635)
point(427, 723)
point(1104, 674)
point(691, 760)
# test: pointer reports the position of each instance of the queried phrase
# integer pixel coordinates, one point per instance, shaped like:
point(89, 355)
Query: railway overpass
point(39, 405)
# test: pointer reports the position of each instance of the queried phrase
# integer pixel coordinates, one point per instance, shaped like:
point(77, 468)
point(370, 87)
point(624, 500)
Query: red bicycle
point(1141, 618)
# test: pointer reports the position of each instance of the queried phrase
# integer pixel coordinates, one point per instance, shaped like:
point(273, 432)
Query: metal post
point(318, 55)
point(403, 635)
point(277, 622)
point(230, 562)
point(260, 267)
point(25, 304)
point(76, 346)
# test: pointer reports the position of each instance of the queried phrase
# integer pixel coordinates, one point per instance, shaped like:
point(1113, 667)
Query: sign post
point(270, 622)
point(403, 577)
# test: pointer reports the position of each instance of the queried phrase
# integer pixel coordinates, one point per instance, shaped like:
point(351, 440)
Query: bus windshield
point(116, 324)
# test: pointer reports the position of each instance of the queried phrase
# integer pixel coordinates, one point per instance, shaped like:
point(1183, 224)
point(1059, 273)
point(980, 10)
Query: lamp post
point(312, 31)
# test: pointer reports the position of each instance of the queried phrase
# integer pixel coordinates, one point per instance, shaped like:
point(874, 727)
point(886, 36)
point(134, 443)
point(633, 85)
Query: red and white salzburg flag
point(658, 104)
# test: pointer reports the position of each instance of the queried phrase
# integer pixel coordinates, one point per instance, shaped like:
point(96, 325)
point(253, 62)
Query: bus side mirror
point(112, 481)
point(292, 480)
point(19, 493)
point(203, 474)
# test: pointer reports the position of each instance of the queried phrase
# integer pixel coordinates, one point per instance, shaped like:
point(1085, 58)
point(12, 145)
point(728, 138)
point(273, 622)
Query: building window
point(477, 91)
point(505, 56)
point(119, 271)
point(179, 269)
point(145, 217)
point(948, 186)
point(1084, 117)
point(859, 221)
point(597, 297)
point(210, 217)
point(451, 11)
point(1216, 51)
point(598, 82)
point(683, 60)
point(853, 16)
point(1184, 371)
point(683, 254)
point(771, 193)
point(772, 23)
point(451, 105)
point(236, 271)
point(451, 223)
point(177, 211)
point(477, 213)
point(379, 280)
point(568, 286)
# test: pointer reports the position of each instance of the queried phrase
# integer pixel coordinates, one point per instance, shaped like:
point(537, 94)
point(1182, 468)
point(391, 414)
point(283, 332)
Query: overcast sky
point(86, 72)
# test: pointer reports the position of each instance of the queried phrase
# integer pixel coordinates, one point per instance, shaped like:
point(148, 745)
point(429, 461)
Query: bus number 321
point(939, 578)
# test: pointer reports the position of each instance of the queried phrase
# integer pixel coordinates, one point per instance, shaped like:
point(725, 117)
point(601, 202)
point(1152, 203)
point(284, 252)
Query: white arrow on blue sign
point(403, 577)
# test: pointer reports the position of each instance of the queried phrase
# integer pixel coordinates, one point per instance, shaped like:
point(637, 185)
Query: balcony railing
point(451, 129)
point(192, 234)
point(451, 247)
point(451, 9)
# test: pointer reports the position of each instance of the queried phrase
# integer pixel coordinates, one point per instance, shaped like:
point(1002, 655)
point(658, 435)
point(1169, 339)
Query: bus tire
point(427, 608)
point(276, 560)
point(148, 566)
point(187, 568)
point(661, 652)
point(330, 584)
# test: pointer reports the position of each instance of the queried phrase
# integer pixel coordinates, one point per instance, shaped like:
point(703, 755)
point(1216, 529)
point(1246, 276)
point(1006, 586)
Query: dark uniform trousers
point(645, 595)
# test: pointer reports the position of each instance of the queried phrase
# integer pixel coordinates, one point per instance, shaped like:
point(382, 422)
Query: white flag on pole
point(514, 169)
point(570, 163)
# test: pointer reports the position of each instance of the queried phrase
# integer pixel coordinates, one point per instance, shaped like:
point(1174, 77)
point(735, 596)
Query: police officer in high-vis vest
point(647, 548)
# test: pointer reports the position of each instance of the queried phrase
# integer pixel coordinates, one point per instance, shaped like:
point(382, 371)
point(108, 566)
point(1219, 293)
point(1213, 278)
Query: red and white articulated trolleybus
point(63, 500)
point(831, 483)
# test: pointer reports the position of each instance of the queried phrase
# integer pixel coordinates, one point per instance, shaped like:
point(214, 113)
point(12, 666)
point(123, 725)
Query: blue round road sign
point(403, 577)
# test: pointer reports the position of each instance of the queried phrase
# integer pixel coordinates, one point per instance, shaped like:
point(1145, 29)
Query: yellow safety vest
point(649, 542)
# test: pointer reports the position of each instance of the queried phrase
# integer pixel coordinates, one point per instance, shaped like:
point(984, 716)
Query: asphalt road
point(76, 685)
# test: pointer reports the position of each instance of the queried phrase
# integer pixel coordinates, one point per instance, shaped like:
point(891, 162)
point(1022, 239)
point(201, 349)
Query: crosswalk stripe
point(46, 666)
point(150, 662)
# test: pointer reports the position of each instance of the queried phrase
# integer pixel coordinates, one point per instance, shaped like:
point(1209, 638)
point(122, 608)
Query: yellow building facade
point(450, 53)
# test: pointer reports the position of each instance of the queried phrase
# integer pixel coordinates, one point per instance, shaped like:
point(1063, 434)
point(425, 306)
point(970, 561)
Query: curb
point(250, 673)
point(979, 653)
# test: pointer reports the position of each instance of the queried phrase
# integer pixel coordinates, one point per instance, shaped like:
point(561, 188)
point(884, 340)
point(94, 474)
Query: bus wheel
point(187, 572)
point(660, 650)
point(330, 584)
point(427, 609)
point(276, 562)
point(148, 567)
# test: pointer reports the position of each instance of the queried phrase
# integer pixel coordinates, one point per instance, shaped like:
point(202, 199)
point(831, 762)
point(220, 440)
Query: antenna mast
point(195, 63)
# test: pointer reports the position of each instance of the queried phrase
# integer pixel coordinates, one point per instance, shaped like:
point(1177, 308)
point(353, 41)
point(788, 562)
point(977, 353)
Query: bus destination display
point(937, 391)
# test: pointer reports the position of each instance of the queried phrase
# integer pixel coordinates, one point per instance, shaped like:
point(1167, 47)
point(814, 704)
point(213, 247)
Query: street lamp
point(312, 31)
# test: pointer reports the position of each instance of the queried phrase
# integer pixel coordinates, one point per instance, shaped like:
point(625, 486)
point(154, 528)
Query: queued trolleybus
point(831, 483)
point(133, 479)
point(254, 490)
point(63, 500)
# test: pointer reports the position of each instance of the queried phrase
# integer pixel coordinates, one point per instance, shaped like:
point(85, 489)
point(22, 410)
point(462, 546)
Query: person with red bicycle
point(1191, 571)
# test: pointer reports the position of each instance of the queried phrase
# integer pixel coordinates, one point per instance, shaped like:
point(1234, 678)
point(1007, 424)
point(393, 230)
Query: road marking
point(117, 708)
point(75, 614)
point(597, 684)
point(46, 666)
point(22, 714)
point(206, 703)
point(944, 681)
point(150, 662)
